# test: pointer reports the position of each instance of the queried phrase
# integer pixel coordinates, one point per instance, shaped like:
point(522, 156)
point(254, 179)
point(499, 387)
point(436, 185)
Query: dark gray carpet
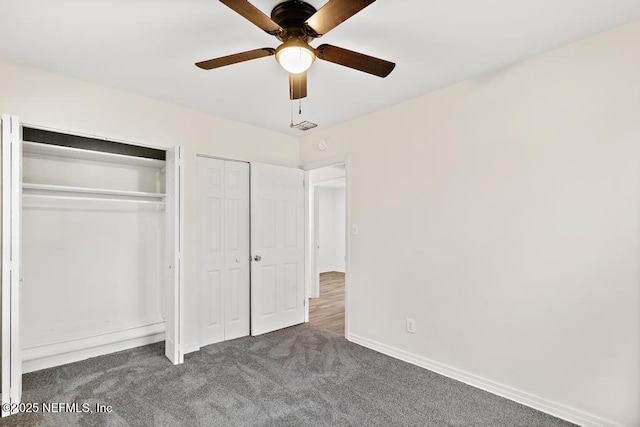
point(297, 376)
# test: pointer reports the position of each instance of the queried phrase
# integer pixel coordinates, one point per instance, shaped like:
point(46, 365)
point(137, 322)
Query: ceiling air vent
point(304, 125)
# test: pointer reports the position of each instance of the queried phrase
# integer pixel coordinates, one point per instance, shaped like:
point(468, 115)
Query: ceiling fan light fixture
point(295, 56)
point(296, 23)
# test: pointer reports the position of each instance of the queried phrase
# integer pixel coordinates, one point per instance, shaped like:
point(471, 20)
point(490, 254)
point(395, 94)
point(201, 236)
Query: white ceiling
point(149, 47)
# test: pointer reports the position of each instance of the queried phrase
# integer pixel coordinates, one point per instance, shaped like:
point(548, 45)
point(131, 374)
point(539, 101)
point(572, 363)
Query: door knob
point(257, 258)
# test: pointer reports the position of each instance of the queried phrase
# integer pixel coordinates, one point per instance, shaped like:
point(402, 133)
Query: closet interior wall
point(93, 252)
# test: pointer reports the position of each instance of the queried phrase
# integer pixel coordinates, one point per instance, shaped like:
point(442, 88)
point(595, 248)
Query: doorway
point(327, 222)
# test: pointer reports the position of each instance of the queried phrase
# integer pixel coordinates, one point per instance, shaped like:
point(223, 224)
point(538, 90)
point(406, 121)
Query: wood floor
point(327, 312)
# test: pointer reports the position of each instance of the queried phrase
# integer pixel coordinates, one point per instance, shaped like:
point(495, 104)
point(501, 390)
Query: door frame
point(345, 160)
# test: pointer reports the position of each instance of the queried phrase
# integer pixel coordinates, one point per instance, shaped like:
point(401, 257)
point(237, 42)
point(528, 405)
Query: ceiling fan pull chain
point(291, 111)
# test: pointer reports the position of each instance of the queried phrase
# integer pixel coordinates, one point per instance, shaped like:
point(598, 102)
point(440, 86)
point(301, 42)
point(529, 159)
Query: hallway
point(327, 312)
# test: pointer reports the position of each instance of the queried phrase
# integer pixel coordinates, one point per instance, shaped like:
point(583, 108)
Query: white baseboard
point(552, 408)
point(63, 352)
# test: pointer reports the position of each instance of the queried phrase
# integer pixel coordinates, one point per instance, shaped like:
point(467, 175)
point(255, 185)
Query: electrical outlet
point(411, 326)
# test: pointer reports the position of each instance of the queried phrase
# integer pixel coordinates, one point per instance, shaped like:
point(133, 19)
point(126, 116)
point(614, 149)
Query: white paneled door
point(237, 267)
point(223, 224)
point(11, 154)
point(277, 247)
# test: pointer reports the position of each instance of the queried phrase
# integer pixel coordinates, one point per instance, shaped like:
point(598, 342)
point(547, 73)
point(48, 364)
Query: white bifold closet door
point(223, 228)
point(277, 245)
point(11, 161)
point(172, 310)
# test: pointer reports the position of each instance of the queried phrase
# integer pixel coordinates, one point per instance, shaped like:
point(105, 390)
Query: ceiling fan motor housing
point(291, 16)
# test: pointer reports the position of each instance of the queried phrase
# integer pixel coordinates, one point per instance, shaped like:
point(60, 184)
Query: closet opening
point(101, 248)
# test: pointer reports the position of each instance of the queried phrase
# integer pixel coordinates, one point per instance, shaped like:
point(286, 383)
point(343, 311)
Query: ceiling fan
point(295, 23)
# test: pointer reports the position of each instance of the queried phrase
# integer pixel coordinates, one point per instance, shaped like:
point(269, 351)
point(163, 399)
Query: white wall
point(331, 238)
point(503, 214)
point(46, 99)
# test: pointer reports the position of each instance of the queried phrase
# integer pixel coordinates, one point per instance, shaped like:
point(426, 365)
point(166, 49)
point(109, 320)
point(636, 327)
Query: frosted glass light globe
point(295, 59)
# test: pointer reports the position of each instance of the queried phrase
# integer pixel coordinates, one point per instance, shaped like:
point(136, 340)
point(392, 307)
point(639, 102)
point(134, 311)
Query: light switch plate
point(354, 229)
point(411, 326)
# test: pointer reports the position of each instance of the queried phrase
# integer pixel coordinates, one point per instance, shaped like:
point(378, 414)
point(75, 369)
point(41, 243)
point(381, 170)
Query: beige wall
point(503, 214)
point(46, 99)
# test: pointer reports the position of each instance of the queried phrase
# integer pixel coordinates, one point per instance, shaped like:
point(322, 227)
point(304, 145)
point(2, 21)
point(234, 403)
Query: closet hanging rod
point(71, 189)
point(93, 199)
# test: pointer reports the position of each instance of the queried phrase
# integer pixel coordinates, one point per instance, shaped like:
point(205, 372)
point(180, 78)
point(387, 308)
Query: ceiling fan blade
point(235, 58)
point(253, 14)
point(333, 13)
point(298, 85)
point(357, 61)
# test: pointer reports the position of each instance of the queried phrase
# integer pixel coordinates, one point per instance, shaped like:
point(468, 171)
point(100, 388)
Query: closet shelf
point(88, 190)
point(98, 156)
point(95, 199)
